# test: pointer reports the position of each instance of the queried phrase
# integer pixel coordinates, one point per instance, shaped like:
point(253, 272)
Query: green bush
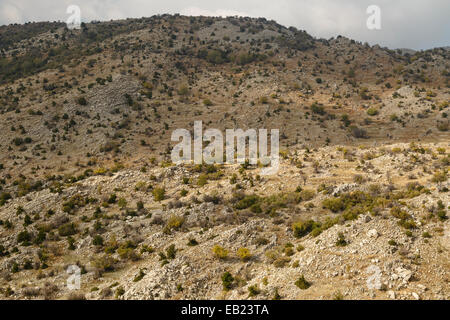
point(207, 102)
point(247, 202)
point(171, 252)
point(341, 242)
point(174, 223)
point(301, 228)
point(227, 281)
point(67, 229)
point(24, 237)
point(306, 194)
point(372, 112)
point(98, 240)
point(333, 204)
point(127, 253)
point(253, 290)
point(302, 283)
point(317, 109)
point(358, 133)
point(202, 180)
point(104, 263)
point(139, 276)
point(159, 194)
point(81, 101)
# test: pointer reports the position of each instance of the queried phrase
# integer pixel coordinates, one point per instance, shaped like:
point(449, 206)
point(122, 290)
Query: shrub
point(98, 240)
point(192, 242)
point(440, 176)
point(81, 101)
point(302, 283)
point(288, 249)
point(426, 234)
point(276, 295)
point(442, 215)
point(358, 178)
point(174, 223)
point(122, 203)
point(17, 141)
point(244, 254)
point(171, 252)
point(127, 253)
point(341, 242)
point(3, 251)
point(140, 205)
point(24, 237)
point(183, 90)
point(4, 196)
point(358, 133)
point(301, 229)
point(306, 195)
point(128, 99)
point(406, 220)
point(227, 281)
point(104, 264)
point(159, 194)
point(112, 198)
point(317, 109)
point(67, 229)
point(253, 290)
point(220, 252)
point(372, 112)
point(333, 204)
point(207, 102)
point(202, 180)
point(443, 126)
point(260, 241)
point(119, 292)
point(139, 276)
point(247, 202)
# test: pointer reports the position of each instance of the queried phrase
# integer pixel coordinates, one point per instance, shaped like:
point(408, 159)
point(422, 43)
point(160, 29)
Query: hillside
point(86, 177)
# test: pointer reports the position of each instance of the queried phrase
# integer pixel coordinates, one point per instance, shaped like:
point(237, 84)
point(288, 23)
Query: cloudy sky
point(416, 24)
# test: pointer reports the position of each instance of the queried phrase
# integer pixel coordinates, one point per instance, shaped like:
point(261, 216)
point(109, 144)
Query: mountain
point(86, 175)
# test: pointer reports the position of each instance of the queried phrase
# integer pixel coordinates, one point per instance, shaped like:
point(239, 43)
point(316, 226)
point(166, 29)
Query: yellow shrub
point(220, 252)
point(244, 254)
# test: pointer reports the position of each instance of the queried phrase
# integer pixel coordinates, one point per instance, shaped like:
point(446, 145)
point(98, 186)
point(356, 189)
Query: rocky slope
point(358, 209)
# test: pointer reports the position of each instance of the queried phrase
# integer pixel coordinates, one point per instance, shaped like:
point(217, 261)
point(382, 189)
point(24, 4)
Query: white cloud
point(9, 13)
point(195, 11)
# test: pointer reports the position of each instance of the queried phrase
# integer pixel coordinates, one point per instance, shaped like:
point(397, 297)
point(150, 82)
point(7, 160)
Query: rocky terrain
point(357, 210)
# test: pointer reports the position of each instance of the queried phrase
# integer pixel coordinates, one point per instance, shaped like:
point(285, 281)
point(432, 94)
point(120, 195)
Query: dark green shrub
point(67, 229)
point(302, 283)
point(301, 229)
point(227, 281)
point(98, 240)
point(81, 101)
point(24, 237)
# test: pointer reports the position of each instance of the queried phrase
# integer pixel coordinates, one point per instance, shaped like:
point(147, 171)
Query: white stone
point(372, 233)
